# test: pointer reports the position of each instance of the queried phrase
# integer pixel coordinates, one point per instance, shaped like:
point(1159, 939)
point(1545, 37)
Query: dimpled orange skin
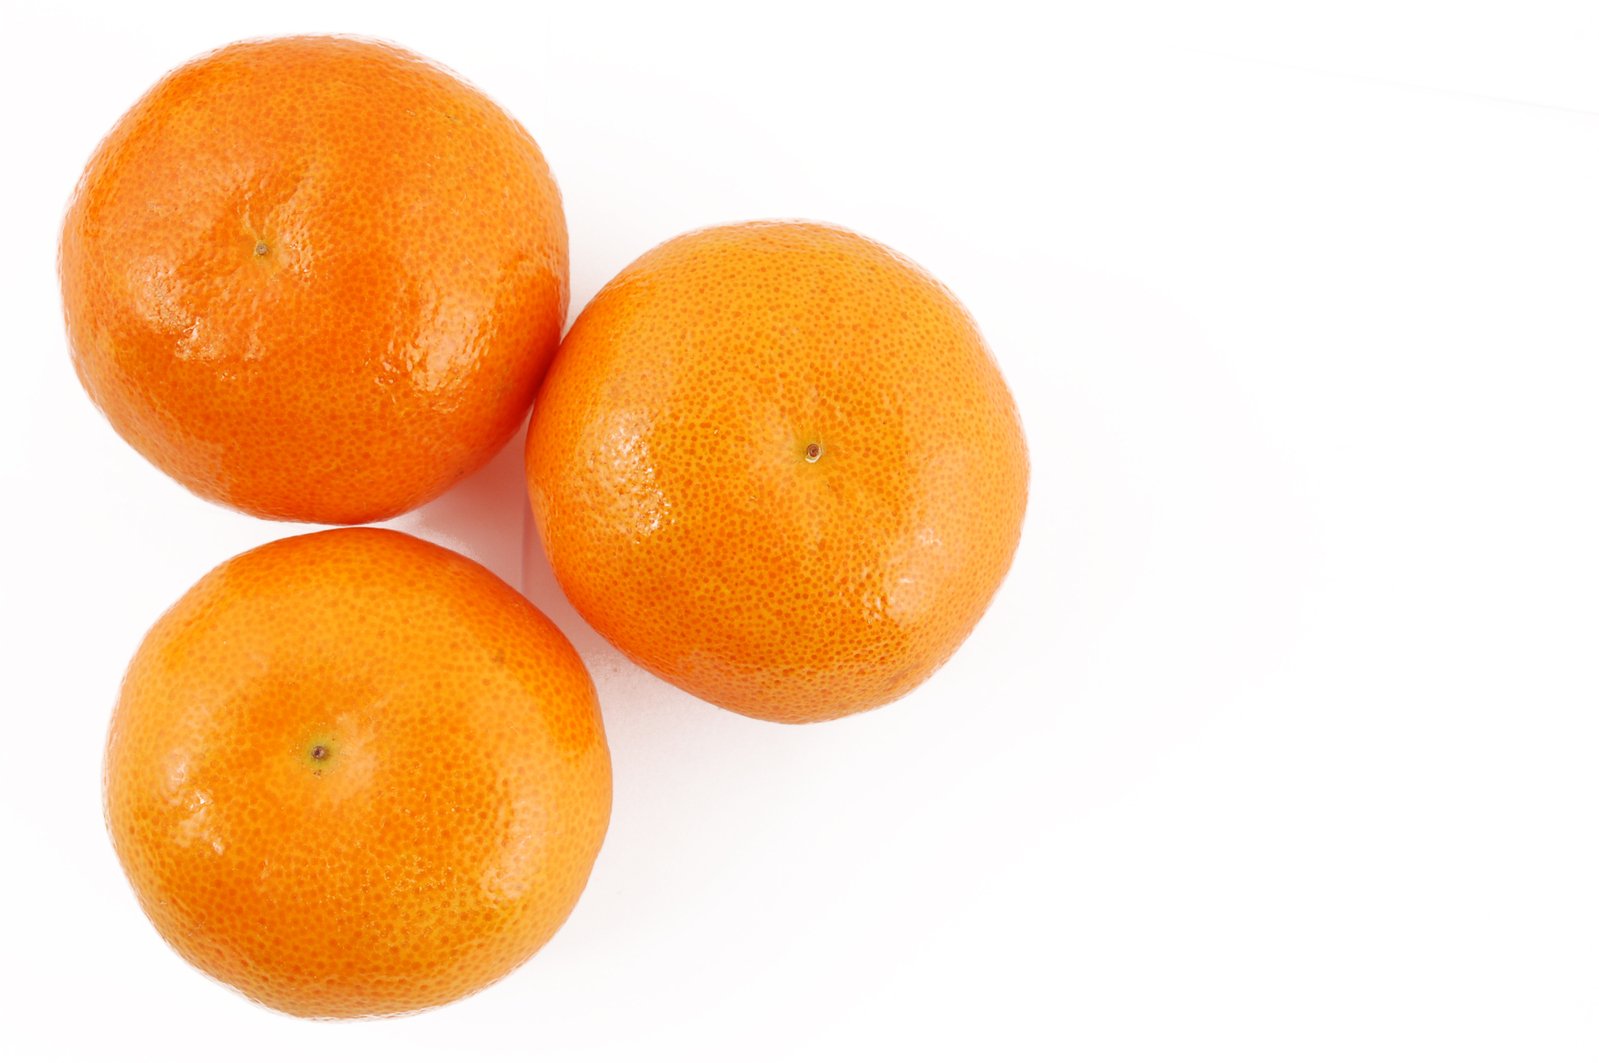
point(775, 464)
point(314, 278)
point(352, 773)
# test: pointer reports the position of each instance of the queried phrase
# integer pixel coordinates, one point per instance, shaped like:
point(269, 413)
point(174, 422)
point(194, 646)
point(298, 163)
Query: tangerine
point(314, 278)
point(352, 773)
point(776, 464)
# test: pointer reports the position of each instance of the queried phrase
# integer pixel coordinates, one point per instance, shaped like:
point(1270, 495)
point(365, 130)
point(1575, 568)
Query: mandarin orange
point(776, 465)
point(314, 278)
point(353, 773)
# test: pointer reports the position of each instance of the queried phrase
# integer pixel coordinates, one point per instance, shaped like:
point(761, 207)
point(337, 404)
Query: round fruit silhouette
point(314, 278)
point(352, 773)
point(776, 465)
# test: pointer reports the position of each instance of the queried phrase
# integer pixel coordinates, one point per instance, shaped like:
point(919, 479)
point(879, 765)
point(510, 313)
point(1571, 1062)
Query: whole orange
point(352, 773)
point(776, 465)
point(315, 278)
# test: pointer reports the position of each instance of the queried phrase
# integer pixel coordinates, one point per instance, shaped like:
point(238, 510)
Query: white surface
point(1279, 744)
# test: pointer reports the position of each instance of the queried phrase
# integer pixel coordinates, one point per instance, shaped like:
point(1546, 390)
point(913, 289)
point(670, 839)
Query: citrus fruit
point(352, 773)
point(314, 278)
point(776, 465)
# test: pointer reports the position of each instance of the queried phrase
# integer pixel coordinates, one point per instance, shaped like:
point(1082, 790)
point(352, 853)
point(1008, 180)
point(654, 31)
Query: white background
point(1280, 741)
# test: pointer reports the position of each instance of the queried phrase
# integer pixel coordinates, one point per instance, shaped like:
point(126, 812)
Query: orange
point(314, 278)
point(352, 773)
point(776, 465)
